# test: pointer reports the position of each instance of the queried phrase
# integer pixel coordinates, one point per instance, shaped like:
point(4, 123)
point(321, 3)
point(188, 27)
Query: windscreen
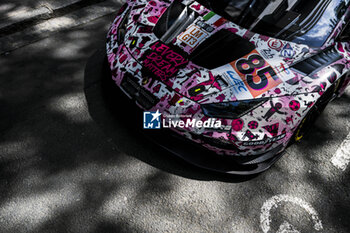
point(309, 22)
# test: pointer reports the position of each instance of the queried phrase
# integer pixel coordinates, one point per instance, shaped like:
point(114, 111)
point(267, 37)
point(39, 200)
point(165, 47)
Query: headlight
point(231, 110)
point(122, 27)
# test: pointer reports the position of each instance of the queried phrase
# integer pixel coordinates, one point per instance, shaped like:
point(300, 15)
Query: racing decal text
point(256, 73)
point(163, 61)
point(193, 36)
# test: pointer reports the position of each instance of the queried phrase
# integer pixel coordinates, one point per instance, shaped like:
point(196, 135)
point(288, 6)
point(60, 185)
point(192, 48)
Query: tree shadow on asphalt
point(106, 110)
point(61, 171)
point(47, 157)
point(56, 167)
point(324, 175)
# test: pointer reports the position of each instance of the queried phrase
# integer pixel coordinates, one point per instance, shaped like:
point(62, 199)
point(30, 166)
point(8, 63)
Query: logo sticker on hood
point(288, 51)
point(256, 73)
point(193, 36)
point(162, 61)
point(214, 19)
point(238, 87)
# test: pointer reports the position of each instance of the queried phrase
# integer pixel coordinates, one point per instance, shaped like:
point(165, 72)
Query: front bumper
point(186, 149)
point(202, 157)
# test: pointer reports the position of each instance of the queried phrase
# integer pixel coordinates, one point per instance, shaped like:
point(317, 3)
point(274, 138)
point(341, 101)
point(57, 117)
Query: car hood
point(183, 57)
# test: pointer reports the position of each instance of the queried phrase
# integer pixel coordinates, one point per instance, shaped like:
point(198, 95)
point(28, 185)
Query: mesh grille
point(313, 64)
point(143, 97)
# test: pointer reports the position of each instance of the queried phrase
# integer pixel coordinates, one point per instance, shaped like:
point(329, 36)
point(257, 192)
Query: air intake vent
point(174, 21)
point(220, 49)
point(313, 64)
point(145, 98)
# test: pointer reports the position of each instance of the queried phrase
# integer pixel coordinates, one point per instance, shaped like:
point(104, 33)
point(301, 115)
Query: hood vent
point(313, 64)
point(220, 49)
point(174, 21)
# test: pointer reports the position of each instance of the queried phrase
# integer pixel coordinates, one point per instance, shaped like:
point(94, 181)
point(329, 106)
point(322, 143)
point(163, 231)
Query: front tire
point(311, 117)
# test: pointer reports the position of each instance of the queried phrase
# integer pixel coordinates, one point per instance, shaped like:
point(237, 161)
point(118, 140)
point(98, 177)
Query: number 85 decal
point(256, 73)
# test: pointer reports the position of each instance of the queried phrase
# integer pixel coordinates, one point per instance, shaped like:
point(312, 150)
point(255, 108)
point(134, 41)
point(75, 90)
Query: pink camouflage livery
point(263, 98)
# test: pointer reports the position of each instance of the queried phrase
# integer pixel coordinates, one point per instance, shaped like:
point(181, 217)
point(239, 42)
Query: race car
point(232, 82)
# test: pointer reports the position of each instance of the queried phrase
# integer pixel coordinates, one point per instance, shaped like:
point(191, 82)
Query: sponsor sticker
point(288, 51)
point(205, 26)
point(193, 36)
point(275, 44)
point(284, 72)
point(214, 19)
point(265, 141)
point(267, 54)
point(236, 83)
point(256, 73)
point(162, 61)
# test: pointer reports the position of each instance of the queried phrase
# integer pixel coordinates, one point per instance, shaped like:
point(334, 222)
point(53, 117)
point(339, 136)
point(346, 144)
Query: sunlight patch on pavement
point(74, 45)
point(6, 7)
point(118, 202)
point(73, 106)
point(69, 48)
point(54, 24)
point(30, 212)
point(341, 159)
point(24, 148)
point(19, 13)
point(121, 200)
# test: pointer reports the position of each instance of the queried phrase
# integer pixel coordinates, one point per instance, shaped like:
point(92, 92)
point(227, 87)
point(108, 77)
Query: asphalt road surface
point(70, 162)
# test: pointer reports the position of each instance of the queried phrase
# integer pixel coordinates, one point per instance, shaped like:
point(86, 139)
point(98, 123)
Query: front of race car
point(232, 91)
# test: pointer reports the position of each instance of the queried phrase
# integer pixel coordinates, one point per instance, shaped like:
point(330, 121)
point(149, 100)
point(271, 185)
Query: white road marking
point(341, 159)
point(286, 227)
point(275, 201)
